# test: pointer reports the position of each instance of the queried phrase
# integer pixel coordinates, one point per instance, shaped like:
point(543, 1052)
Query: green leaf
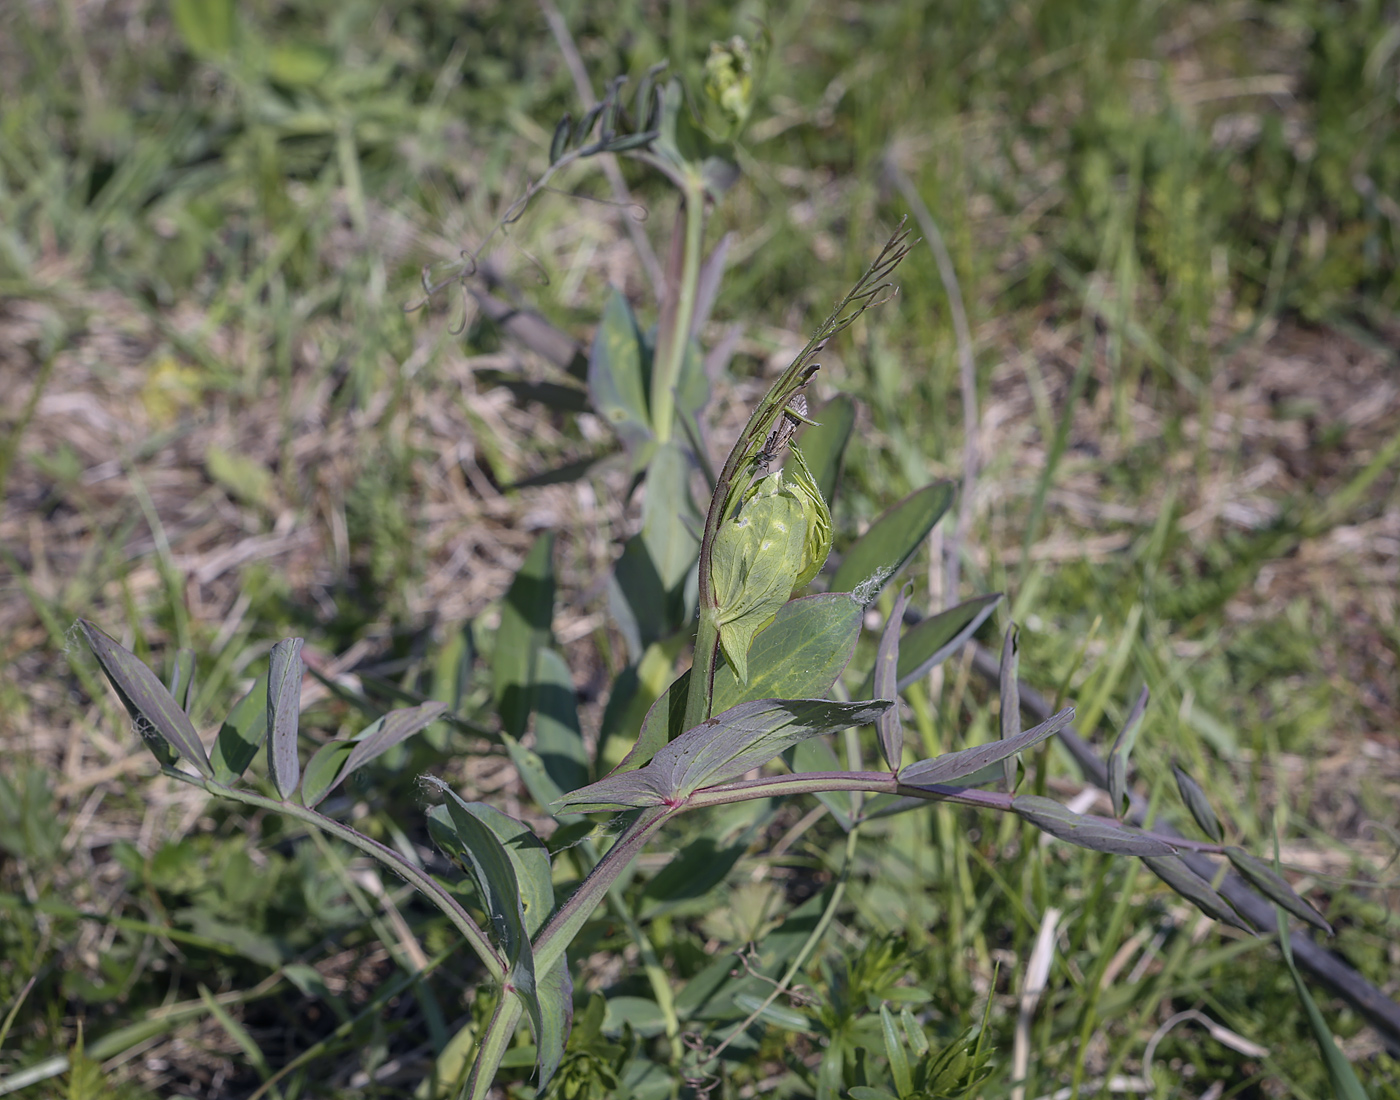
point(1199, 805)
point(283, 715)
point(940, 636)
point(241, 735)
point(1175, 873)
point(526, 617)
point(952, 766)
point(670, 519)
point(824, 443)
point(798, 657)
point(721, 749)
point(558, 737)
point(1262, 877)
point(160, 720)
point(533, 774)
point(384, 733)
point(1345, 1085)
point(1087, 832)
point(894, 1051)
point(884, 686)
point(643, 1015)
point(207, 26)
point(323, 771)
point(467, 833)
point(890, 542)
point(638, 600)
point(914, 1031)
point(556, 997)
point(697, 869)
point(182, 679)
point(617, 382)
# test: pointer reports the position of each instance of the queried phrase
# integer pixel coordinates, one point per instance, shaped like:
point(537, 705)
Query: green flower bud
point(729, 79)
point(818, 515)
point(777, 540)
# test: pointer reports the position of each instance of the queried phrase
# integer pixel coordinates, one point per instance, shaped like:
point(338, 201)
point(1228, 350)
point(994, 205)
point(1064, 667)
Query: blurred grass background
point(1175, 226)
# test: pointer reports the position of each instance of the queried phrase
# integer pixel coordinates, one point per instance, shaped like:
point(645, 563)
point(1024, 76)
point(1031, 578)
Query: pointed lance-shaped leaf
point(952, 766)
point(616, 378)
point(1095, 833)
point(182, 679)
point(1122, 751)
point(1199, 805)
point(560, 141)
point(824, 443)
point(384, 733)
point(242, 734)
point(284, 715)
point(556, 997)
point(1010, 699)
point(1175, 873)
point(891, 541)
point(470, 841)
point(894, 1051)
point(938, 637)
point(1262, 877)
point(719, 750)
point(558, 736)
point(323, 771)
point(160, 720)
point(888, 727)
point(526, 615)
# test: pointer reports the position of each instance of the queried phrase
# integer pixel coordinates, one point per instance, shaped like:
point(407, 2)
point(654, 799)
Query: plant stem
point(492, 1048)
point(700, 696)
point(564, 925)
point(424, 883)
point(674, 343)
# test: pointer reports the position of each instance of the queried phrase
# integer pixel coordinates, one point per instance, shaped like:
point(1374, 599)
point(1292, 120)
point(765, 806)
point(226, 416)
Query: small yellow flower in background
point(729, 79)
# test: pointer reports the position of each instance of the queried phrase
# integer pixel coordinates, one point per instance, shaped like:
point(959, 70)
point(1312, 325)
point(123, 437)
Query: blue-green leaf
point(284, 715)
point(890, 542)
point(242, 734)
point(160, 720)
point(617, 376)
point(526, 617)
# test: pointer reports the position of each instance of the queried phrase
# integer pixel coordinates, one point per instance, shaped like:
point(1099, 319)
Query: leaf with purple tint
point(885, 683)
point(284, 715)
point(721, 749)
point(1096, 833)
point(1263, 878)
point(160, 720)
point(1175, 873)
point(384, 733)
point(1122, 751)
point(952, 766)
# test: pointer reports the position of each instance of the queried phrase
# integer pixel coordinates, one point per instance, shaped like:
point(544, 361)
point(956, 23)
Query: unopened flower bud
point(777, 540)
